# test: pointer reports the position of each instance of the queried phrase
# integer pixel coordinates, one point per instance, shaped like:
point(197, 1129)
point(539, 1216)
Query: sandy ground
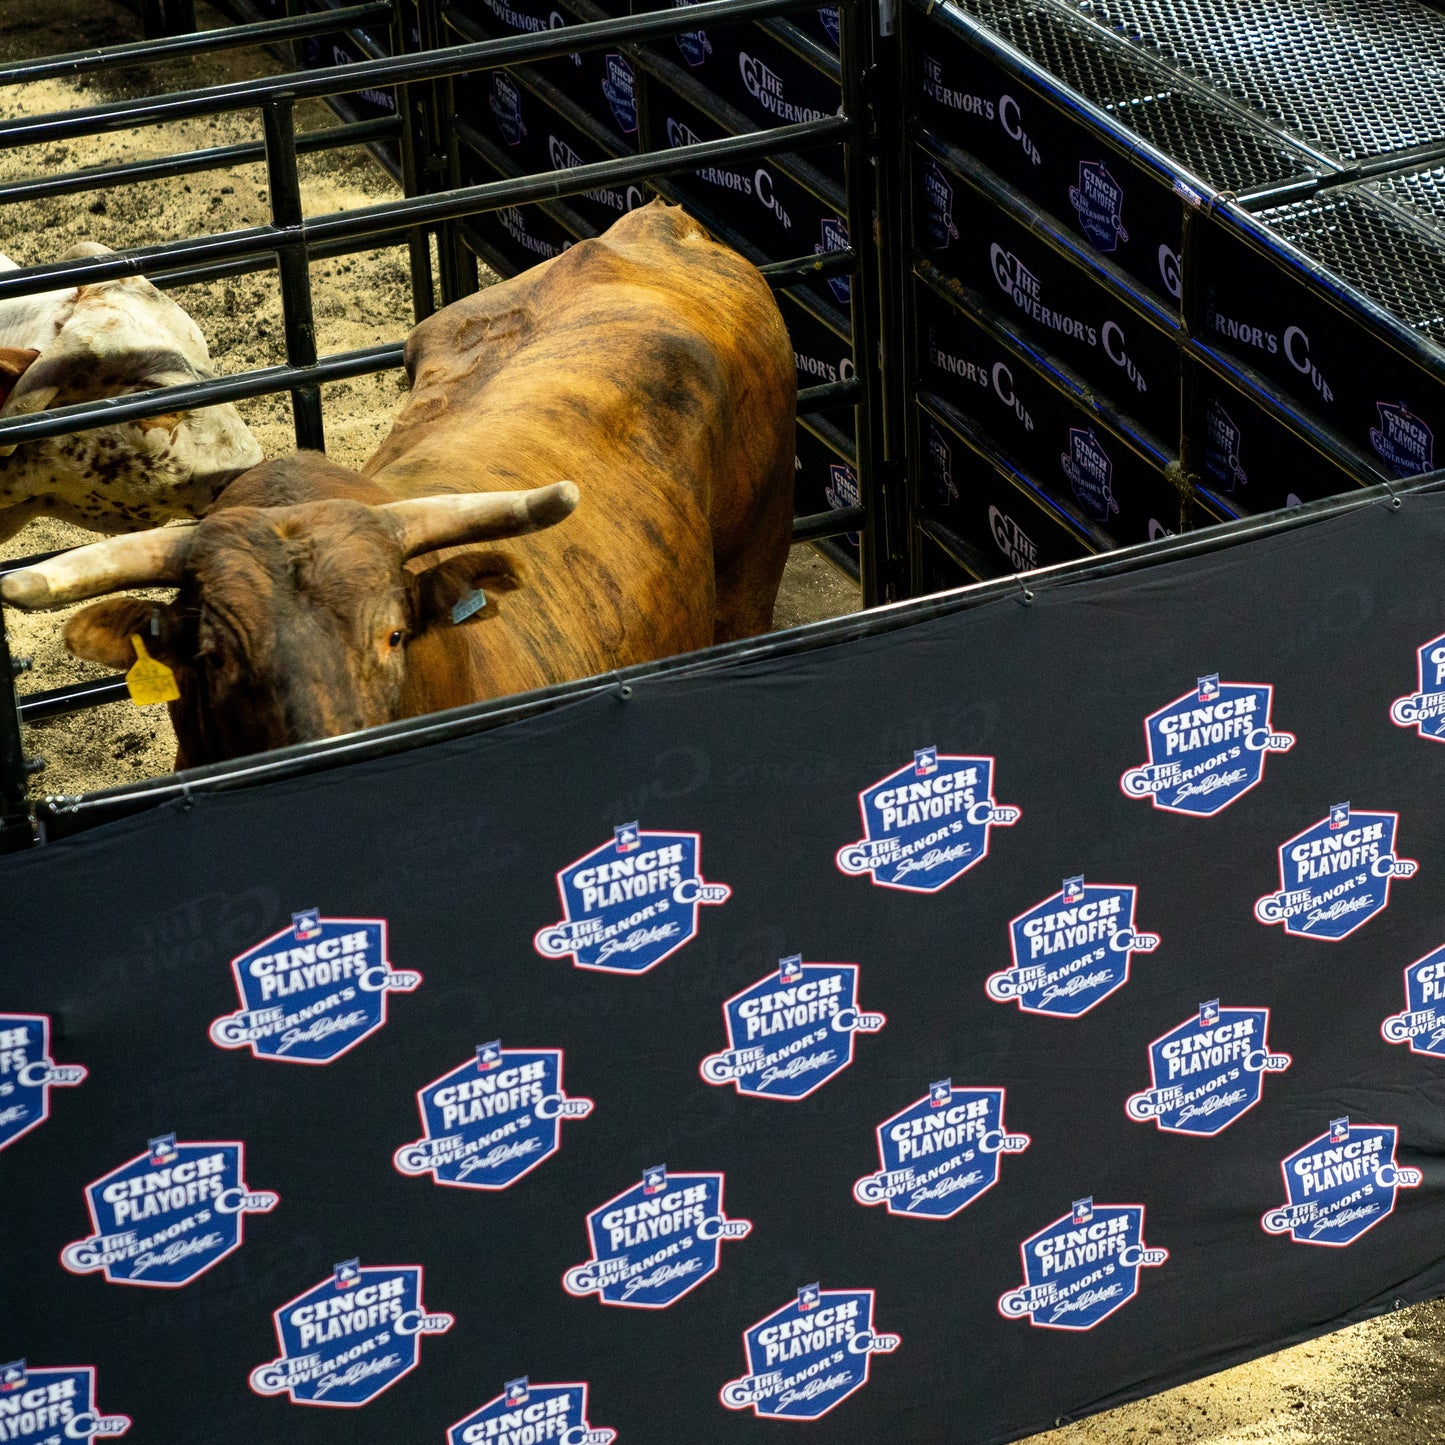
point(1374, 1383)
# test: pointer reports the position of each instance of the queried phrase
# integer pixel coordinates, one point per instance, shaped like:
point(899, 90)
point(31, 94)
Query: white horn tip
point(27, 588)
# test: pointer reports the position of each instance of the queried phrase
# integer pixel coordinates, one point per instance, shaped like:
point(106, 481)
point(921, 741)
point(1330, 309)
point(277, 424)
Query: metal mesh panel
point(1181, 123)
point(1353, 78)
point(1400, 267)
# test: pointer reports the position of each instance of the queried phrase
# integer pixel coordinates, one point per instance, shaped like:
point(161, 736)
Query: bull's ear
point(13, 362)
point(436, 592)
point(102, 632)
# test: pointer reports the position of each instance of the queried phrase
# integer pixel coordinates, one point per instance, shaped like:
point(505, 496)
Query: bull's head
point(290, 623)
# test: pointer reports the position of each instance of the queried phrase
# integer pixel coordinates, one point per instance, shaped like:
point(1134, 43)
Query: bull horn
point(139, 559)
point(428, 523)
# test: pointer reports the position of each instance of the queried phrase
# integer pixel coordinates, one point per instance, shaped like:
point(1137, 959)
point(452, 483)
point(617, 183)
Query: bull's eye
point(396, 637)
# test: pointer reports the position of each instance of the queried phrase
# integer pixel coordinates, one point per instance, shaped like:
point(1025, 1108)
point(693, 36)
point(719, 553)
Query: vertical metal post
point(16, 830)
point(413, 105)
point(278, 122)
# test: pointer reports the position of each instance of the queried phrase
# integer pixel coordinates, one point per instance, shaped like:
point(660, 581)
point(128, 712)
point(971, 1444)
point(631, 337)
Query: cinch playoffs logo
point(1099, 200)
point(350, 1337)
point(168, 1215)
point(940, 1153)
point(1072, 950)
point(790, 1032)
point(809, 1356)
point(1082, 1267)
point(1425, 710)
point(1422, 1025)
point(1340, 1184)
point(527, 1414)
point(1208, 1071)
point(312, 991)
point(28, 1073)
point(1336, 875)
point(45, 1406)
point(928, 823)
point(656, 1241)
point(492, 1119)
point(630, 903)
point(1207, 748)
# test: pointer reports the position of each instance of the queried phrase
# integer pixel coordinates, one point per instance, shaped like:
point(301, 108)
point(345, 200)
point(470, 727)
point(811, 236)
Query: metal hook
point(1028, 595)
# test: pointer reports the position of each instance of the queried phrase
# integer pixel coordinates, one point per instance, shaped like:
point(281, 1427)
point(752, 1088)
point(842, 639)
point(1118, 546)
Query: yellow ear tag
point(150, 681)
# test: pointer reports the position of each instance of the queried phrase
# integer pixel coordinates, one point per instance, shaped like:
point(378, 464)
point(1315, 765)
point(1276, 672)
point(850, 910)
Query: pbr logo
point(1336, 875)
point(1221, 449)
point(940, 229)
point(350, 1337)
point(492, 1119)
point(617, 88)
point(1082, 1267)
point(1403, 442)
point(1422, 1025)
point(506, 103)
point(312, 992)
point(1072, 950)
point(168, 1215)
point(1425, 710)
point(655, 1242)
point(791, 1032)
point(940, 1153)
point(835, 238)
point(44, 1406)
point(1340, 1185)
point(630, 903)
point(525, 1413)
point(28, 1073)
point(1207, 748)
point(1090, 471)
point(806, 1358)
point(1099, 200)
point(928, 823)
point(1207, 1072)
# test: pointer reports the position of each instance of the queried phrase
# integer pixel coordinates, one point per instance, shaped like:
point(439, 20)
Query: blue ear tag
point(468, 605)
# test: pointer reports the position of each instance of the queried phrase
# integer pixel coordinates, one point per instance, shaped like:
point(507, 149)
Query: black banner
point(934, 1035)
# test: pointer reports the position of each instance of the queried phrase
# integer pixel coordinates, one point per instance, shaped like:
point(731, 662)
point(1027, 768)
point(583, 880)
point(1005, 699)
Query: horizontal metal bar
point(809, 268)
point(266, 261)
point(829, 524)
point(425, 210)
point(830, 394)
point(393, 738)
point(161, 399)
point(94, 178)
point(37, 707)
point(395, 70)
point(227, 37)
point(18, 564)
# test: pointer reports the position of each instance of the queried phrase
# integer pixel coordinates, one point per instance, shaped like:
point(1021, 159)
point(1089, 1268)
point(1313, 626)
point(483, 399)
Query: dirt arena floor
point(1378, 1383)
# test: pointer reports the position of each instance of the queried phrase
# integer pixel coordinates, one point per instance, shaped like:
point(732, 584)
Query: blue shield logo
point(506, 104)
point(940, 1153)
point(802, 1361)
point(1422, 1025)
point(40, 1406)
point(488, 1122)
point(1071, 952)
point(28, 1073)
point(524, 1411)
point(308, 1000)
point(1402, 441)
point(940, 230)
point(1221, 449)
point(1082, 1267)
point(618, 89)
point(835, 238)
point(342, 1344)
point(167, 1216)
point(655, 1242)
point(1424, 709)
point(791, 1031)
point(919, 834)
point(1207, 748)
point(842, 491)
point(695, 45)
point(1208, 1071)
point(1099, 201)
point(625, 909)
point(1340, 1185)
point(1090, 471)
point(828, 19)
point(1336, 875)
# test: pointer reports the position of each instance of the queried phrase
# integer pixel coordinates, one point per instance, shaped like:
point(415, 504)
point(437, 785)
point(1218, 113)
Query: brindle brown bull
point(649, 367)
